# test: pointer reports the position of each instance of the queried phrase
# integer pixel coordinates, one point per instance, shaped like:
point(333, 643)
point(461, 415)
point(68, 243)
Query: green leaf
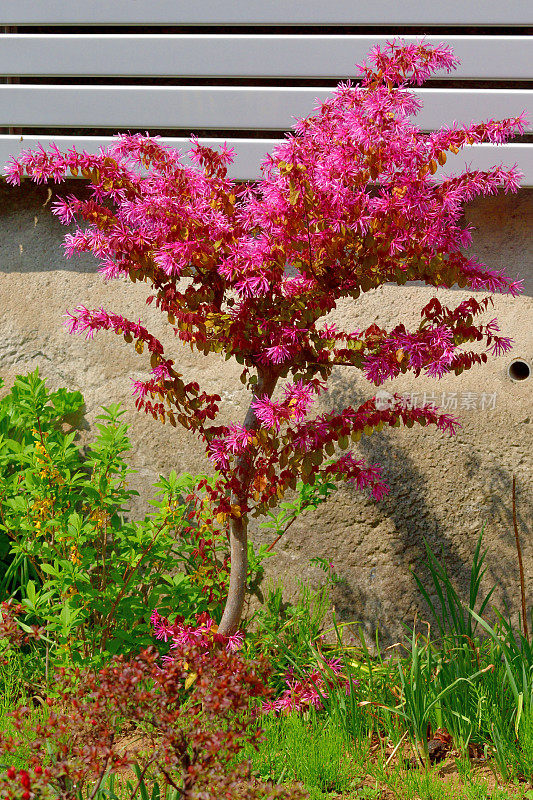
point(65, 402)
point(30, 592)
point(294, 193)
point(50, 570)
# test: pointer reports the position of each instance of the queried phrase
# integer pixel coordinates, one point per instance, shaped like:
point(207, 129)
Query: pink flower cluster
point(314, 433)
point(200, 636)
point(81, 320)
point(431, 349)
point(400, 63)
point(298, 399)
point(235, 441)
point(301, 693)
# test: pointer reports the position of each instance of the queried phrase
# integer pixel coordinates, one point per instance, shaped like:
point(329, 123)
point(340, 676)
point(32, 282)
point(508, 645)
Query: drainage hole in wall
point(519, 370)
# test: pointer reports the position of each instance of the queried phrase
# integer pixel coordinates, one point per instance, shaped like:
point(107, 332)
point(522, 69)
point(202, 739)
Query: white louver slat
point(215, 107)
point(242, 55)
point(250, 153)
point(259, 12)
point(245, 87)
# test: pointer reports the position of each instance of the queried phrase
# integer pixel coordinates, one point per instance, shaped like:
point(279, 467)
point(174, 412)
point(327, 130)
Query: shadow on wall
point(414, 518)
point(503, 233)
point(31, 236)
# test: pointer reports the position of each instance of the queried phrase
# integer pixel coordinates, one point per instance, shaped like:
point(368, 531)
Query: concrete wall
point(441, 488)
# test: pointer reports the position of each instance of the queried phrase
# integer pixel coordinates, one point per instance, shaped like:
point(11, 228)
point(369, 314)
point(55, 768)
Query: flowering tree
point(348, 202)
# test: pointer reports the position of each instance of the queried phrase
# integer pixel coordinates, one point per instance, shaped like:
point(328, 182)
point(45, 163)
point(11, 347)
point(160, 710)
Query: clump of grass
point(310, 748)
point(472, 681)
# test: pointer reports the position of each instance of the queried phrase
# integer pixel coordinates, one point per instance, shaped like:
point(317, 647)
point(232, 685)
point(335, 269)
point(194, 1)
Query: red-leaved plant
point(193, 715)
point(348, 202)
point(11, 630)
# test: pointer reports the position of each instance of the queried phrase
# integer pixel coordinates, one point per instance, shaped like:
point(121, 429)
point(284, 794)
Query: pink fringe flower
point(202, 635)
point(302, 693)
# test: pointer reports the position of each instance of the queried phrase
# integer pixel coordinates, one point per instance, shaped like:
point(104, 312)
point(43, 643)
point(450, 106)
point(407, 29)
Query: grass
point(463, 679)
point(307, 748)
point(316, 753)
point(471, 680)
point(12, 694)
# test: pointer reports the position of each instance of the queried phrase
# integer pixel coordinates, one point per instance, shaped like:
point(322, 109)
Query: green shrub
point(81, 570)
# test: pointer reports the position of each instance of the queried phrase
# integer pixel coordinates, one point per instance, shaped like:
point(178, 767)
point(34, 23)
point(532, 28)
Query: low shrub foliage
point(82, 571)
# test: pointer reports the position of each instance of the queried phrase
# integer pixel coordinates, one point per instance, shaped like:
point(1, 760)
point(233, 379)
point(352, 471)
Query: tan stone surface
point(443, 488)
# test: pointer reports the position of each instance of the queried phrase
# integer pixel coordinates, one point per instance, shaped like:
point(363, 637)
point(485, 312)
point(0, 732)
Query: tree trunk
point(244, 469)
point(237, 579)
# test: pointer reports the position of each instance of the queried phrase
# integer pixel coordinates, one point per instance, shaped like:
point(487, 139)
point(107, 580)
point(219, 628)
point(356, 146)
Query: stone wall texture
point(445, 489)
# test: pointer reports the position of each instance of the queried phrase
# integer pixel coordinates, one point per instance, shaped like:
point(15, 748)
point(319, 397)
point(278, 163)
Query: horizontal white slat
point(222, 107)
point(497, 57)
point(264, 12)
point(250, 152)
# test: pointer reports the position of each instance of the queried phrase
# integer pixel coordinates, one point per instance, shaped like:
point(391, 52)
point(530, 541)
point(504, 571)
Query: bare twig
point(100, 778)
point(276, 540)
point(387, 762)
point(520, 565)
point(141, 776)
